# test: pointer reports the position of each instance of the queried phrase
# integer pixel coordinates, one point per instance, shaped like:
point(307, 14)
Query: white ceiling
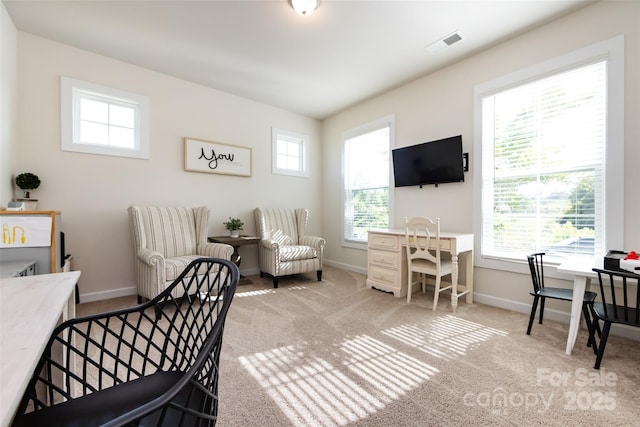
point(346, 52)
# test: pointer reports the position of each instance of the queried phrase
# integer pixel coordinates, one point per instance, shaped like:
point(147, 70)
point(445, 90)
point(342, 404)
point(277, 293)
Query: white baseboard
point(250, 272)
point(559, 316)
point(520, 307)
point(102, 295)
point(347, 267)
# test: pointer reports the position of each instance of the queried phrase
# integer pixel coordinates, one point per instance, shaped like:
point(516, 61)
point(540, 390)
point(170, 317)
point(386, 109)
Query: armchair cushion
point(298, 252)
point(282, 239)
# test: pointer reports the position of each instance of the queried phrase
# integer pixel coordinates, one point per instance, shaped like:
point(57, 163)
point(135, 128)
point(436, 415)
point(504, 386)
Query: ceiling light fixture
point(305, 7)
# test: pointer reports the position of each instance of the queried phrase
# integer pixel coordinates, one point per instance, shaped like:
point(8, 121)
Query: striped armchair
point(165, 241)
point(284, 248)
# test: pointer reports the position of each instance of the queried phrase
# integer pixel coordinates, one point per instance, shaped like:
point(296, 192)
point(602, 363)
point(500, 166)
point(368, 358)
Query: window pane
point(94, 111)
point(122, 116)
point(121, 137)
point(366, 184)
point(289, 153)
point(94, 133)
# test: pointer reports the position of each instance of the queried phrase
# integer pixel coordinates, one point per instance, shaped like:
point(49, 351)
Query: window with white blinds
point(366, 179)
point(544, 165)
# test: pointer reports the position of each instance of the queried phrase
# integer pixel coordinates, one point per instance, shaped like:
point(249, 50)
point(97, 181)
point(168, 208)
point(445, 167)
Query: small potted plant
point(28, 181)
point(234, 225)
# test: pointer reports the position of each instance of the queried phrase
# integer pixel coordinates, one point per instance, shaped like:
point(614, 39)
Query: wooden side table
point(236, 242)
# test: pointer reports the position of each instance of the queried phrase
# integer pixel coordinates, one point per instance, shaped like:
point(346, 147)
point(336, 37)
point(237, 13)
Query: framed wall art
point(214, 157)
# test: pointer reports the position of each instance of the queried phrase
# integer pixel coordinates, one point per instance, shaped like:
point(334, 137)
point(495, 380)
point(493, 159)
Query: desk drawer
point(384, 258)
point(383, 275)
point(445, 244)
point(384, 241)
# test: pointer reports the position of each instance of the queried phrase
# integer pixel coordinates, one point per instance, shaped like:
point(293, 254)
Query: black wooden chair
point(621, 306)
point(540, 293)
point(128, 368)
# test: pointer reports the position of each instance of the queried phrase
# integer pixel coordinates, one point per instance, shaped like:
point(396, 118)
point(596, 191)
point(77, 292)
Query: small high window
point(289, 153)
point(101, 120)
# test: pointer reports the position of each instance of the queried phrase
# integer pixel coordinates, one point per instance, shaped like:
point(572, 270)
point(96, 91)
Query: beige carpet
point(334, 353)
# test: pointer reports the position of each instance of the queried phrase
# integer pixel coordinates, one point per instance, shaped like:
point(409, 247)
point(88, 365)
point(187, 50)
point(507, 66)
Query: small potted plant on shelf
point(28, 181)
point(234, 225)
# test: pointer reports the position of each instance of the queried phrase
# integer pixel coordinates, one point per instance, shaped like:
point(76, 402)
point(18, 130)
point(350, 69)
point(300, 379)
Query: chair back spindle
point(618, 302)
point(536, 266)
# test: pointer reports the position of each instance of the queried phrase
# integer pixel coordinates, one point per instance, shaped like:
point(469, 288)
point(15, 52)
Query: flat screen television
point(434, 162)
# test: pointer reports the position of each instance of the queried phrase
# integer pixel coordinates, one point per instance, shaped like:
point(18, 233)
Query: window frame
point(386, 121)
point(611, 50)
point(72, 90)
point(303, 161)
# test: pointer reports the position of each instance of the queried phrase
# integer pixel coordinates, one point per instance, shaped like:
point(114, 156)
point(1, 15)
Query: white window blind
point(543, 163)
point(366, 180)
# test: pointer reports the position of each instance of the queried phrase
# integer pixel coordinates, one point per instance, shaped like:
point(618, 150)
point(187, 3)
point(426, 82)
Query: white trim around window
point(101, 120)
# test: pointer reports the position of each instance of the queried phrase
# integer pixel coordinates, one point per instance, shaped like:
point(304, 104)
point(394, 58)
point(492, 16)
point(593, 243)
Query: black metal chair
point(621, 306)
point(540, 293)
point(128, 368)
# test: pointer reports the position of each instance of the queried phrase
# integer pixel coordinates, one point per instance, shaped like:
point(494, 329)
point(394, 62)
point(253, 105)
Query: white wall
point(441, 105)
point(93, 192)
point(8, 106)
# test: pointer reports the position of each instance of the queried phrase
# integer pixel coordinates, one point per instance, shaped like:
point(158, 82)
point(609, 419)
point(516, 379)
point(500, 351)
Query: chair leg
point(436, 294)
point(409, 285)
point(541, 309)
point(592, 337)
point(319, 273)
point(534, 307)
point(139, 299)
point(587, 320)
point(595, 328)
point(603, 343)
point(275, 282)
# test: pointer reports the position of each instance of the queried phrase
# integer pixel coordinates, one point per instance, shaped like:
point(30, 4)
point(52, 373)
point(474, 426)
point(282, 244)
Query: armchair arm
point(315, 242)
point(151, 272)
point(269, 255)
point(215, 250)
point(269, 244)
point(150, 258)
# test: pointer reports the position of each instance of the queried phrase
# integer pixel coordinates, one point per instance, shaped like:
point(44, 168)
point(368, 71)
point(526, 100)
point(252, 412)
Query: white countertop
point(30, 308)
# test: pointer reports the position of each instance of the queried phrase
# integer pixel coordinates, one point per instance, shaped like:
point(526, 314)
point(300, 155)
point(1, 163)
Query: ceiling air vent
point(444, 42)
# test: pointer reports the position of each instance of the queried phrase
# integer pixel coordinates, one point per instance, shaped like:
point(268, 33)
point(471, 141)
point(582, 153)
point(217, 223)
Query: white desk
point(30, 308)
point(387, 262)
point(583, 273)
